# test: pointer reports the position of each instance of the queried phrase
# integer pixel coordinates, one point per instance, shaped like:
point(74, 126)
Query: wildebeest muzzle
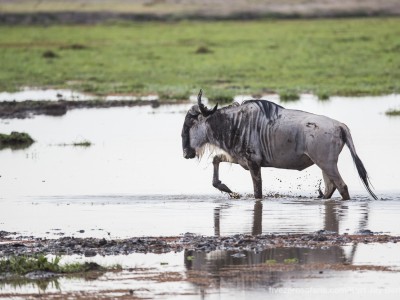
point(189, 153)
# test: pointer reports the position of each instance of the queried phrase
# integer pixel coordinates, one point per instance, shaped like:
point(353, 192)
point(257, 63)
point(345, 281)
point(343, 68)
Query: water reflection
point(220, 267)
point(45, 282)
point(42, 285)
point(268, 268)
point(257, 218)
point(333, 212)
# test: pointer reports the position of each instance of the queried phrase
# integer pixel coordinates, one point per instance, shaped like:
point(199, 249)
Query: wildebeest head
point(193, 134)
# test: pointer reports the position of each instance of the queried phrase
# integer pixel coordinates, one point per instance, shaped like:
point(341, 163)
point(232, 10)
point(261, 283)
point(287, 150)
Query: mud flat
point(188, 242)
point(88, 12)
point(190, 266)
point(25, 109)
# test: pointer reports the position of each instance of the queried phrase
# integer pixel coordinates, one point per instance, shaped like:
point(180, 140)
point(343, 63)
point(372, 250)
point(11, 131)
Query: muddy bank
point(25, 109)
point(88, 18)
point(215, 266)
point(45, 13)
point(92, 246)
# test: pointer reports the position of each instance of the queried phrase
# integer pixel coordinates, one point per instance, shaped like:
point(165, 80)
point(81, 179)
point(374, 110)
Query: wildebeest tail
point(362, 172)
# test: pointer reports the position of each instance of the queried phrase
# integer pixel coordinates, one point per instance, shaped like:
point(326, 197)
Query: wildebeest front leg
point(255, 172)
point(216, 182)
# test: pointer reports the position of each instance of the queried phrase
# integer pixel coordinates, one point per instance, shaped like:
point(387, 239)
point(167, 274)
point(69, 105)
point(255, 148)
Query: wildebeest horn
point(203, 109)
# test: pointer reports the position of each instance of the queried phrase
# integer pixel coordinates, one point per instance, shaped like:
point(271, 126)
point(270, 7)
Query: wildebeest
point(260, 133)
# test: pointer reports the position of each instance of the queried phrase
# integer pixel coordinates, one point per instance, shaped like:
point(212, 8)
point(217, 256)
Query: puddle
point(132, 181)
point(37, 94)
point(131, 98)
point(30, 94)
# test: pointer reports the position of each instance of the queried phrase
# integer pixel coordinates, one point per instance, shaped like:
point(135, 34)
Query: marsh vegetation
point(393, 112)
point(21, 265)
point(15, 140)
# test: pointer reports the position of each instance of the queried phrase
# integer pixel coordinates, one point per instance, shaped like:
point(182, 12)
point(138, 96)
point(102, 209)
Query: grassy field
point(327, 57)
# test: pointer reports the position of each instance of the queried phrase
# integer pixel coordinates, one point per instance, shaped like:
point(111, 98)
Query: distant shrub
point(289, 95)
point(323, 95)
point(393, 112)
point(49, 54)
point(203, 50)
point(15, 140)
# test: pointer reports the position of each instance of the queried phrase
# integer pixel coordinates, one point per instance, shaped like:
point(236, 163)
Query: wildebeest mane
point(269, 108)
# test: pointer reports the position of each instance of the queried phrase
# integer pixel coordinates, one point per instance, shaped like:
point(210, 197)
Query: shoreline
point(29, 108)
point(192, 242)
point(100, 17)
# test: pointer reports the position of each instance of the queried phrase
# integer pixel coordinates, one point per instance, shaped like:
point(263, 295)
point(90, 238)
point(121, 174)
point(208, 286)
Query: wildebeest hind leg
point(216, 182)
point(329, 186)
point(332, 172)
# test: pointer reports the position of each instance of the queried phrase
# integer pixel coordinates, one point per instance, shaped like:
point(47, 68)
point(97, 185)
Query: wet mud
point(90, 13)
point(25, 109)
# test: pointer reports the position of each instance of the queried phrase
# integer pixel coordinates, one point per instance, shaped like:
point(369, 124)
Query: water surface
point(133, 181)
point(137, 151)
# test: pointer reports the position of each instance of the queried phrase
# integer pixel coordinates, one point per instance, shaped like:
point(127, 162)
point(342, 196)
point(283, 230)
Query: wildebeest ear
point(203, 109)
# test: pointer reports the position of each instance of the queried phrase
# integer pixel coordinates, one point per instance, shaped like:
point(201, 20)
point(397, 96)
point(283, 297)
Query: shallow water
point(133, 181)
point(127, 216)
point(138, 151)
point(29, 94)
point(134, 171)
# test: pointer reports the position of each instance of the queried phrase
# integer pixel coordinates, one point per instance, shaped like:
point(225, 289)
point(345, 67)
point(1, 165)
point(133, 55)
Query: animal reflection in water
point(260, 133)
point(218, 267)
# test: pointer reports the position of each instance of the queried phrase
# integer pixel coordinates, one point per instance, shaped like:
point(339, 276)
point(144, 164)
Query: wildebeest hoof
point(321, 194)
point(234, 195)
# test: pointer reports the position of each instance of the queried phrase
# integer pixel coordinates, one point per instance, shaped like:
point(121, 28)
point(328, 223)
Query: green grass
point(270, 261)
point(337, 56)
point(83, 143)
point(322, 95)
point(290, 260)
point(22, 265)
point(289, 95)
point(15, 140)
point(393, 112)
